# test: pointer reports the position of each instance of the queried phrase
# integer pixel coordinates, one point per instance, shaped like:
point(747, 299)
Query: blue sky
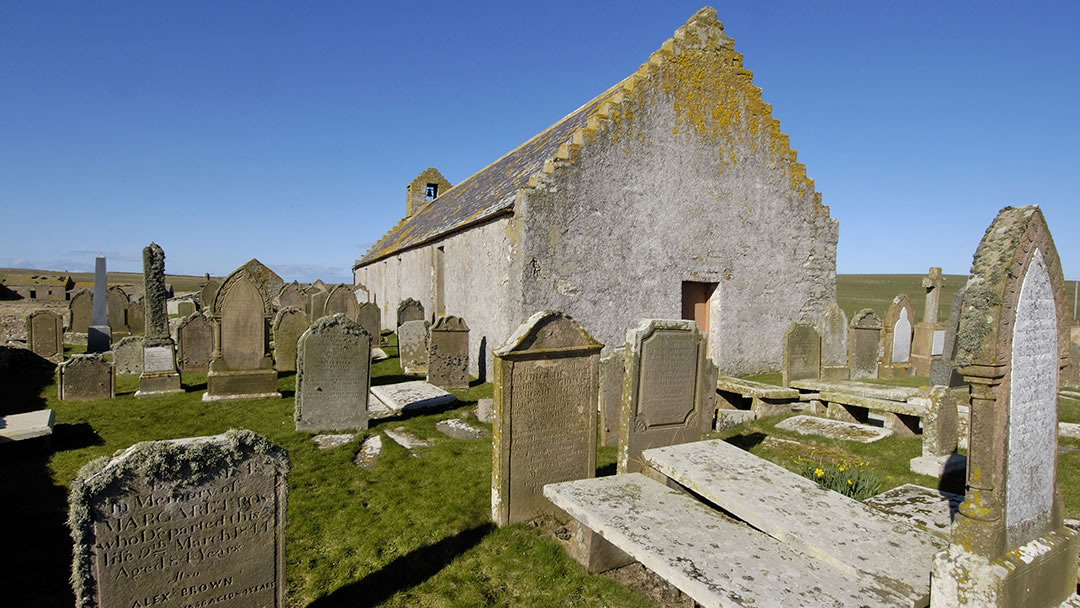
point(287, 131)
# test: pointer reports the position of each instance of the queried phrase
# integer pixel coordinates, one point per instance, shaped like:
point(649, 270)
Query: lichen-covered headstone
point(340, 300)
point(268, 281)
point(241, 366)
point(448, 353)
point(128, 356)
point(413, 346)
point(802, 353)
point(86, 378)
point(45, 334)
point(370, 318)
point(194, 343)
point(333, 376)
point(545, 377)
point(409, 310)
point(864, 346)
point(610, 396)
point(118, 305)
point(292, 295)
point(833, 327)
point(289, 323)
point(185, 522)
point(159, 375)
point(81, 309)
point(1010, 546)
point(664, 394)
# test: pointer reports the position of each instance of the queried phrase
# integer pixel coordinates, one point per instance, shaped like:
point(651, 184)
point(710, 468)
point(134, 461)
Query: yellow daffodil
point(819, 472)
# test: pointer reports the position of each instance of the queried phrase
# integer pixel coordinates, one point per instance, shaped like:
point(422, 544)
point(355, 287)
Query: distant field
point(180, 282)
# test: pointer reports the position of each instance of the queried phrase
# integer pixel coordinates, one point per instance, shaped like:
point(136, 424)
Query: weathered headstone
point(833, 327)
point(268, 282)
point(45, 334)
point(292, 295)
point(128, 356)
point(118, 305)
point(194, 343)
point(185, 308)
point(369, 317)
point(409, 310)
point(341, 300)
point(943, 371)
point(448, 353)
point(663, 396)
point(545, 378)
point(865, 337)
point(316, 300)
point(1010, 546)
point(922, 344)
point(333, 376)
point(939, 433)
point(86, 378)
point(99, 335)
point(289, 324)
point(81, 309)
point(159, 375)
point(802, 353)
point(896, 339)
point(362, 293)
point(207, 293)
point(184, 522)
point(610, 396)
point(136, 317)
point(413, 346)
point(241, 366)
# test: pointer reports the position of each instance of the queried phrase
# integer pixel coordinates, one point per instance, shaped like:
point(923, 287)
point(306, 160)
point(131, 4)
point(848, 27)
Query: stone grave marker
point(413, 346)
point(207, 528)
point(241, 366)
point(118, 306)
point(409, 310)
point(128, 356)
point(136, 316)
point(1010, 546)
point(99, 335)
point(208, 291)
point(45, 334)
point(81, 310)
point(833, 327)
point(943, 371)
point(939, 433)
point(545, 377)
point(369, 317)
point(923, 341)
point(448, 353)
point(896, 339)
point(159, 375)
point(289, 324)
point(86, 378)
point(185, 308)
point(268, 282)
point(802, 353)
point(333, 376)
point(292, 295)
point(195, 343)
point(362, 293)
point(663, 396)
point(340, 299)
point(610, 396)
point(316, 300)
point(864, 346)
point(412, 397)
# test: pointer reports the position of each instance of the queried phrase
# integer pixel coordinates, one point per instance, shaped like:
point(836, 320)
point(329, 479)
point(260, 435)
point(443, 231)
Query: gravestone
point(316, 301)
point(45, 335)
point(922, 344)
point(128, 356)
point(833, 327)
point(896, 339)
point(370, 318)
point(664, 394)
point(939, 432)
point(448, 353)
point(1010, 546)
point(241, 366)
point(292, 295)
point(118, 306)
point(362, 293)
point(207, 528)
point(340, 299)
point(943, 371)
point(268, 282)
point(185, 308)
point(610, 396)
point(206, 294)
point(409, 310)
point(81, 310)
point(86, 378)
point(413, 346)
point(802, 353)
point(289, 324)
point(159, 375)
point(864, 347)
point(194, 343)
point(136, 317)
point(98, 335)
point(545, 377)
point(333, 376)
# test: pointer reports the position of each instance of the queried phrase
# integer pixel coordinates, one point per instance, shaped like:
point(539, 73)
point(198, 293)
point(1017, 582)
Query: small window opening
point(431, 192)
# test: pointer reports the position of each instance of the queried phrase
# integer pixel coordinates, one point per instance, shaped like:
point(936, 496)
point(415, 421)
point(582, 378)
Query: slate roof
point(490, 191)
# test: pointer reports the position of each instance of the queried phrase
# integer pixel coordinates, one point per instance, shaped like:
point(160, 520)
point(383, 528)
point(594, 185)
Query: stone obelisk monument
point(159, 376)
point(99, 336)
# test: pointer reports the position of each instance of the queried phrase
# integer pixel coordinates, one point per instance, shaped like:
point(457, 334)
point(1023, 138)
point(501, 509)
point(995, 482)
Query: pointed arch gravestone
point(864, 345)
point(1009, 543)
point(333, 376)
point(81, 308)
point(896, 339)
point(340, 299)
point(194, 343)
point(545, 377)
point(241, 366)
point(45, 335)
point(289, 323)
point(833, 327)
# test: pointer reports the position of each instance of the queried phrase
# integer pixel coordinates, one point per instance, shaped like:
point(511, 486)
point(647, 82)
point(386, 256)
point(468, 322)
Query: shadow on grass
point(404, 572)
point(23, 374)
point(746, 441)
point(193, 388)
point(393, 379)
point(74, 437)
point(607, 470)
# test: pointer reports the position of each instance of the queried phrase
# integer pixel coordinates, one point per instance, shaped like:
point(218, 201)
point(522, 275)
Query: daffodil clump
point(849, 478)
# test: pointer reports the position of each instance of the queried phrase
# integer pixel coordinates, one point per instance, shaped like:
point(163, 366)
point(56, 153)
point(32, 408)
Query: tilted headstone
point(664, 397)
point(118, 305)
point(610, 396)
point(448, 353)
point(545, 377)
point(241, 366)
point(333, 376)
point(802, 353)
point(370, 318)
point(184, 522)
point(864, 347)
point(81, 310)
point(159, 375)
point(86, 378)
point(289, 324)
point(194, 343)
point(128, 356)
point(292, 295)
point(896, 339)
point(206, 294)
point(1010, 546)
point(833, 327)
point(340, 299)
point(99, 335)
point(45, 334)
point(413, 346)
point(136, 317)
point(943, 371)
point(409, 310)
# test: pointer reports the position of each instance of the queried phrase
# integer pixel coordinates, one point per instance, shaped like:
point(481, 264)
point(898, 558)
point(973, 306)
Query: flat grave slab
point(406, 439)
point(413, 396)
point(931, 510)
point(834, 429)
point(325, 442)
point(369, 453)
point(715, 560)
point(30, 425)
point(873, 403)
point(376, 409)
point(862, 389)
point(751, 388)
point(459, 429)
point(842, 532)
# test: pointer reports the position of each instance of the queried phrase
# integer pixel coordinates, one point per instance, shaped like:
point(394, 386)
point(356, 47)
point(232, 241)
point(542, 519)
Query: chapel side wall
point(689, 179)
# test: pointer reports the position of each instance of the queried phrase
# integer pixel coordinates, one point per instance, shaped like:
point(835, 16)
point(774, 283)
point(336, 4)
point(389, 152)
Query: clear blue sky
point(287, 131)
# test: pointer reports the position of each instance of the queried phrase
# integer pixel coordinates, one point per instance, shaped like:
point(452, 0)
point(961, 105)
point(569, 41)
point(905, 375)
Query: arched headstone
point(241, 367)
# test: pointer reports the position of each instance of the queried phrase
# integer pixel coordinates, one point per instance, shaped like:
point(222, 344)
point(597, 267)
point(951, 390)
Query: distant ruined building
point(673, 194)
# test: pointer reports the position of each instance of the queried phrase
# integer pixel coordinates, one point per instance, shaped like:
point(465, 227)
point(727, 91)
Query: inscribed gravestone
point(802, 353)
point(195, 343)
point(333, 376)
point(369, 317)
point(292, 295)
point(545, 377)
point(833, 327)
point(118, 306)
point(206, 529)
point(341, 300)
point(99, 336)
point(865, 337)
point(81, 308)
point(413, 346)
point(1010, 546)
point(289, 323)
point(448, 353)
point(85, 378)
point(45, 334)
point(128, 355)
point(663, 392)
point(610, 396)
point(159, 375)
point(241, 366)
point(409, 310)
point(896, 339)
